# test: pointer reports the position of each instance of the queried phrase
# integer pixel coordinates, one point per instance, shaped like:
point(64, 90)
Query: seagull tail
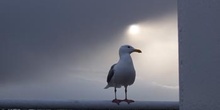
point(106, 87)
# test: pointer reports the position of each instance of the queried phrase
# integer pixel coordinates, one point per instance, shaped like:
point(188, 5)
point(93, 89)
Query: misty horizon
point(64, 49)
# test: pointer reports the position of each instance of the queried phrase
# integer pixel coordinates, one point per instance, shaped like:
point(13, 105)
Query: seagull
point(122, 73)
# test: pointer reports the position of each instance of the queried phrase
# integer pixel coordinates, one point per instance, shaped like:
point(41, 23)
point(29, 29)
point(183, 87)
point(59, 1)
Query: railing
point(87, 105)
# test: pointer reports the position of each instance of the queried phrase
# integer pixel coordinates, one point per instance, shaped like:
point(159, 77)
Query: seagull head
point(127, 49)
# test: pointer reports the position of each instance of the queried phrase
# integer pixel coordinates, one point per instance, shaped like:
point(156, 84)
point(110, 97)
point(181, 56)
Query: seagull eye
point(129, 46)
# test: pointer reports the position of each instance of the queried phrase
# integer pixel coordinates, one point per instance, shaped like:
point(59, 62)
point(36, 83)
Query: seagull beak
point(137, 50)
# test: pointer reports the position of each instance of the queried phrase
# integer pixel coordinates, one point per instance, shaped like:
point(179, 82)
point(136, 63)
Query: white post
point(199, 54)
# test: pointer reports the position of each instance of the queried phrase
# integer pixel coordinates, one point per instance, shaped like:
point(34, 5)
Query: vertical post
point(199, 54)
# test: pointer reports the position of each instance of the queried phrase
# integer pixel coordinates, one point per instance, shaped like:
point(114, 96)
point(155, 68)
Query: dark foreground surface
point(87, 105)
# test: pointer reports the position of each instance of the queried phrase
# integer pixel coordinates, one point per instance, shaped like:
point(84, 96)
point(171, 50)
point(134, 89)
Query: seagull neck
point(125, 57)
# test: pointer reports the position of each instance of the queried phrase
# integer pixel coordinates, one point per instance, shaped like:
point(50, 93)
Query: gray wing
point(110, 73)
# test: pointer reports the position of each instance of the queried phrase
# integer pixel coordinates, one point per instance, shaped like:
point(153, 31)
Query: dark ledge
point(85, 105)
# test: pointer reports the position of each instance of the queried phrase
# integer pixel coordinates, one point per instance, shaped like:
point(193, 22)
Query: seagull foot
point(128, 101)
point(117, 101)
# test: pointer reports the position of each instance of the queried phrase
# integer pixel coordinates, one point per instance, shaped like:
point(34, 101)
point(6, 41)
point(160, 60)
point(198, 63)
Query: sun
point(134, 29)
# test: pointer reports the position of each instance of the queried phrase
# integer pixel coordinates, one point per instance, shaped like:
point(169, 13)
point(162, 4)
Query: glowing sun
point(134, 29)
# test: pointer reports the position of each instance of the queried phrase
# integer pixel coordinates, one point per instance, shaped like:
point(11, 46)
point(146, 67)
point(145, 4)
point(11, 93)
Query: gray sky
point(63, 49)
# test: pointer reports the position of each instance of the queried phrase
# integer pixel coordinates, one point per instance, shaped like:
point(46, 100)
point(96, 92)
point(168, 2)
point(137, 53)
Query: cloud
point(165, 86)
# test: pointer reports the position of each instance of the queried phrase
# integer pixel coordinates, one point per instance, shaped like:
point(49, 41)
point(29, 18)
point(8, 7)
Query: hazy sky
point(63, 49)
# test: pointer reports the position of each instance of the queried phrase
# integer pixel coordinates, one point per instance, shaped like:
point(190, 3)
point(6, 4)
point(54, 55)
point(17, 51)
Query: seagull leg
point(116, 100)
point(127, 100)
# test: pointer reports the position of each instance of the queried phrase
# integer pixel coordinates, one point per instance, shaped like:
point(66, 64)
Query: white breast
point(124, 71)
